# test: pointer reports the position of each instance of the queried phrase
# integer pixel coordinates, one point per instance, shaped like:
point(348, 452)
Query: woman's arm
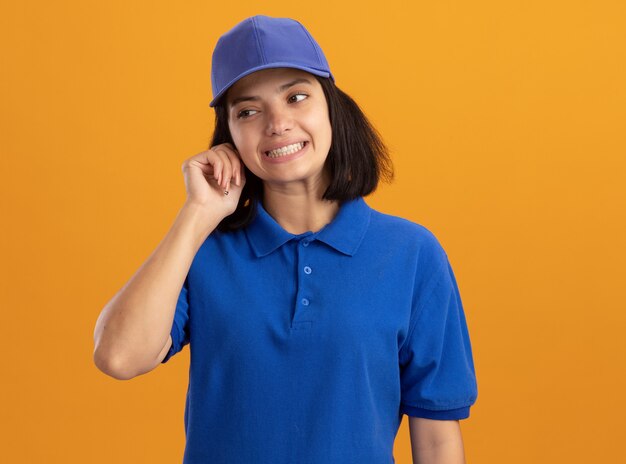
point(133, 328)
point(436, 441)
point(132, 333)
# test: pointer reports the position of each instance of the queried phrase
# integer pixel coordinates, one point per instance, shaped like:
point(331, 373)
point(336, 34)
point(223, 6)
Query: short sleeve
point(437, 375)
point(180, 325)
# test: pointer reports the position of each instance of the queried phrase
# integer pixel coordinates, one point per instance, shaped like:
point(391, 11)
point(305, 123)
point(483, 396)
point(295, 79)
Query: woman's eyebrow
point(281, 88)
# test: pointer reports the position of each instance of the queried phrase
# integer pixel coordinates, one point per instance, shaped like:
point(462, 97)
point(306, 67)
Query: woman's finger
point(241, 169)
point(235, 163)
point(227, 168)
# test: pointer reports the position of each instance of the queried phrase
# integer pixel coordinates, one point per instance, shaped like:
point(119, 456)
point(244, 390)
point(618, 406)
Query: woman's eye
point(242, 114)
point(298, 94)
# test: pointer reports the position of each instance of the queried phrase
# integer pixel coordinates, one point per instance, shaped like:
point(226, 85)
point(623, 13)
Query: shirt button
point(307, 270)
point(305, 302)
point(305, 243)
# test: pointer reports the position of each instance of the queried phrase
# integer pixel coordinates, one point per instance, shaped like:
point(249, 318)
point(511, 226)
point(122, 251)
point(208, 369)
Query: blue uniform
point(308, 348)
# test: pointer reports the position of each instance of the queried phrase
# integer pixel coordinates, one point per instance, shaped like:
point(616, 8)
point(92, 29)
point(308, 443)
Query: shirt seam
point(443, 407)
point(418, 311)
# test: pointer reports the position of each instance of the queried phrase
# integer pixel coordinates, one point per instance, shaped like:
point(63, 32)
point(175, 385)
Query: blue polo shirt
point(308, 348)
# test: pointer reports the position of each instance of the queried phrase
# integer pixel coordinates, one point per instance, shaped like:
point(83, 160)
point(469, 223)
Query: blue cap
point(262, 42)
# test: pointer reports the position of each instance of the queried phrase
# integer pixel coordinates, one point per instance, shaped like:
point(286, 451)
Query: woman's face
point(284, 109)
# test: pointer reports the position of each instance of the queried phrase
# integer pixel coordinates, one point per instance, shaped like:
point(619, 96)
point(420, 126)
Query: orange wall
point(506, 124)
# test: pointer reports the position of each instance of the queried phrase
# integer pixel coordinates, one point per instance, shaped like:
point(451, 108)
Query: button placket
point(304, 311)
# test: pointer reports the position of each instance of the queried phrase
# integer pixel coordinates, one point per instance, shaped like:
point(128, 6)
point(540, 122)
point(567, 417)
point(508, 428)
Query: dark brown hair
point(357, 160)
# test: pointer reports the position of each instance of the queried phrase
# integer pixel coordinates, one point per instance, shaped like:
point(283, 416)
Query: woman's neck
point(299, 212)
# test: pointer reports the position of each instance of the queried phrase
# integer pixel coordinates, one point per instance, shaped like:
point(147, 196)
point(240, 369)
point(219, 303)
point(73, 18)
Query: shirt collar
point(344, 233)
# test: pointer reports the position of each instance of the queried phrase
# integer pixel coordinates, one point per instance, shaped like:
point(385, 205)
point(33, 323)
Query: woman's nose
point(279, 120)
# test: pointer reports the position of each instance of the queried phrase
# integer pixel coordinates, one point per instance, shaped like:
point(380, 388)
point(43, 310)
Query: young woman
point(314, 321)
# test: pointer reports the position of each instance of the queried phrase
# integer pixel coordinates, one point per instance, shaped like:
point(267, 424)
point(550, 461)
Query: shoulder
point(412, 236)
point(220, 246)
point(400, 225)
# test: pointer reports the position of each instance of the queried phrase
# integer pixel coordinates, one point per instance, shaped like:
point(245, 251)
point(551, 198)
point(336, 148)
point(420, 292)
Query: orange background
point(506, 125)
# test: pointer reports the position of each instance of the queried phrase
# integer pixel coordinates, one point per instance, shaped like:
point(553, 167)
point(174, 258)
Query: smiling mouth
point(288, 150)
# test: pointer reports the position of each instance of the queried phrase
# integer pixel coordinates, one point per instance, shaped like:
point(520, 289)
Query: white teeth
point(288, 150)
